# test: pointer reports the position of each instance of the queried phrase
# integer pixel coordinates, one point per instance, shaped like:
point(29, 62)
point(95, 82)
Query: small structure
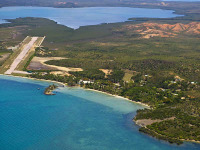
point(85, 82)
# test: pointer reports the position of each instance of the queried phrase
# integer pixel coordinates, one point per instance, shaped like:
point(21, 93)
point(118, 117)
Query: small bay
point(76, 17)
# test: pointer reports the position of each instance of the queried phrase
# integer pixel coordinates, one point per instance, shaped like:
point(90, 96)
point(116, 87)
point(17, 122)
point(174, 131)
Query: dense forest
point(163, 72)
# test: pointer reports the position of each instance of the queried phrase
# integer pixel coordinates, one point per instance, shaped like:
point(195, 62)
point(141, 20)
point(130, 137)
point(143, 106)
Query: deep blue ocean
point(76, 17)
point(73, 119)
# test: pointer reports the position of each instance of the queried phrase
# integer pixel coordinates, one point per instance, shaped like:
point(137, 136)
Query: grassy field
point(128, 75)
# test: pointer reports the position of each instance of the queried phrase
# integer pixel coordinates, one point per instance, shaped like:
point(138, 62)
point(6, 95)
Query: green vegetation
point(128, 75)
point(93, 74)
point(28, 62)
point(3, 55)
point(12, 57)
point(185, 124)
point(116, 76)
point(158, 136)
point(161, 72)
point(49, 89)
point(70, 80)
point(24, 64)
point(8, 39)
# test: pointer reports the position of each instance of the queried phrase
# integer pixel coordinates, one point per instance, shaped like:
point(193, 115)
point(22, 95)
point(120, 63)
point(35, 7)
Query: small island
point(49, 89)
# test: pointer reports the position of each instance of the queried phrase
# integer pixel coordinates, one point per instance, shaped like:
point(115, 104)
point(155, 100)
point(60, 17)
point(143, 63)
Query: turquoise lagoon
point(73, 119)
point(76, 17)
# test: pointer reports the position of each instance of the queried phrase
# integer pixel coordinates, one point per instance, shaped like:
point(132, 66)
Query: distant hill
point(69, 3)
point(61, 3)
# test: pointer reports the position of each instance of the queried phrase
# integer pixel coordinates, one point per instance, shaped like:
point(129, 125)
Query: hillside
point(149, 30)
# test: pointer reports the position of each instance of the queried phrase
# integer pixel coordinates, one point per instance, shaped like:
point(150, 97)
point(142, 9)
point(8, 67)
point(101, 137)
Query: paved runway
point(21, 55)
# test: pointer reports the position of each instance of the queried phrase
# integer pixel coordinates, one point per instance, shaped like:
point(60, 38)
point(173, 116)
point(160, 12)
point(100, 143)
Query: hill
point(66, 3)
point(148, 30)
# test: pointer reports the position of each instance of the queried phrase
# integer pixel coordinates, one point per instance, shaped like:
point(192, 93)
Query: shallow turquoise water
point(73, 119)
point(76, 17)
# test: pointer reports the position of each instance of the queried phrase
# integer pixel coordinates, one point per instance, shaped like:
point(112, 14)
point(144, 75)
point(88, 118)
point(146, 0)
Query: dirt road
point(38, 63)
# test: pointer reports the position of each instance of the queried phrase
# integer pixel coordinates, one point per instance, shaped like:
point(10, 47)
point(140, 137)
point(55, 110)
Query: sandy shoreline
point(119, 97)
point(36, 79)
point(64, 85)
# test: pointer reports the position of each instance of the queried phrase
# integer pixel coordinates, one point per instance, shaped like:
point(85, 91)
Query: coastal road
point(21, 55)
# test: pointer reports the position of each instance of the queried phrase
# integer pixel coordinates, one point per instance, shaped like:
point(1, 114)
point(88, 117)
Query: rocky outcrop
point(49, 90)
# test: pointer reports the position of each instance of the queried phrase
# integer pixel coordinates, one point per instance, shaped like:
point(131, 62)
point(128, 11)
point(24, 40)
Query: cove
point(76, 17)
point(73, 119)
